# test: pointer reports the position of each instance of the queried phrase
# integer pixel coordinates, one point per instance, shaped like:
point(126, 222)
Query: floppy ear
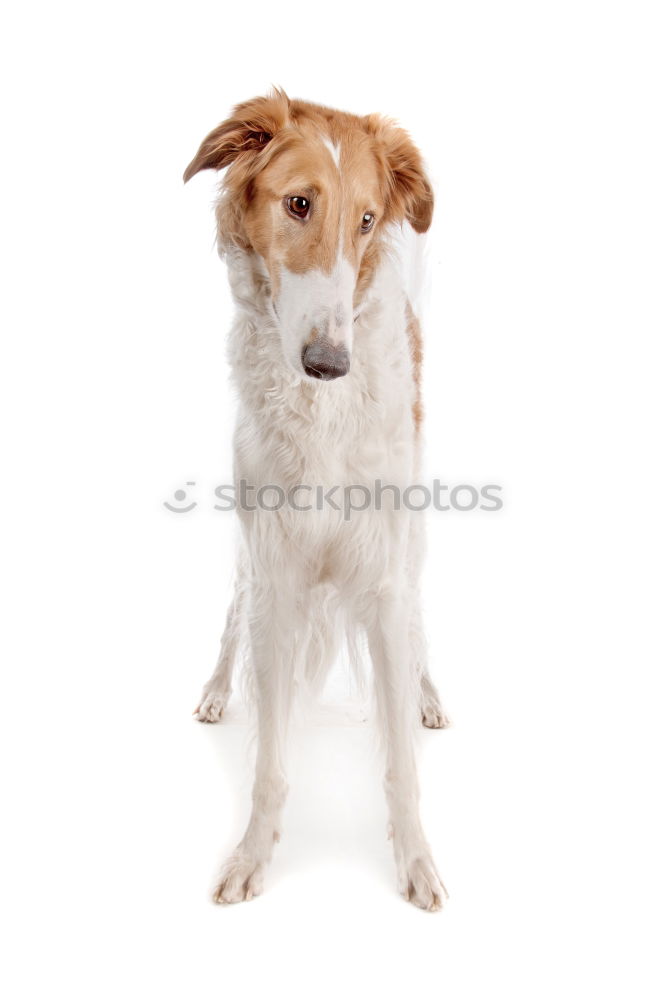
point(251, 126)
point(408, 192)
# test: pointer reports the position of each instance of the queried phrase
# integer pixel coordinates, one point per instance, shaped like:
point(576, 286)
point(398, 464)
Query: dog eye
point(367, 222)
point(298, 206)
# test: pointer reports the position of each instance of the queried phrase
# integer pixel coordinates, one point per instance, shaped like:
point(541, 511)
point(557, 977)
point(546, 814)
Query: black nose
point(324, 360)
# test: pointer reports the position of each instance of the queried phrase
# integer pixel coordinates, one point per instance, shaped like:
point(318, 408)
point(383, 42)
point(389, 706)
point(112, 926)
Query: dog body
point(325, 354)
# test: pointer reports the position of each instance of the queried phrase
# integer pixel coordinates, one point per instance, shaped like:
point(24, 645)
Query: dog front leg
point(272, 627)
point(397, 699)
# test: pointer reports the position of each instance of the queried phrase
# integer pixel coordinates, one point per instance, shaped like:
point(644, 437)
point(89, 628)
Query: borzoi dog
point(325, 352)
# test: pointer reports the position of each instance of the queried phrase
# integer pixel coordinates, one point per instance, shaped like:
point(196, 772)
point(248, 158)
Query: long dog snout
point(324, 360)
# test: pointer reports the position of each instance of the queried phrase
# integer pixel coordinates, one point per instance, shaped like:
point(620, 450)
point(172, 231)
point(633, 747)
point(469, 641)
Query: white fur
point(305, 578)
point(315, 301)
point(334, 150)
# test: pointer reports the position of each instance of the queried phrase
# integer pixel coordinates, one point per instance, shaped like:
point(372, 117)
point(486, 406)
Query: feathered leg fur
point(272, 643)
point(396, 696)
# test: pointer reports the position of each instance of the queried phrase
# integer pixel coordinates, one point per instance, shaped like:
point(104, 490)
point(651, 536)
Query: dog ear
point(250, 128)
point(408, 192)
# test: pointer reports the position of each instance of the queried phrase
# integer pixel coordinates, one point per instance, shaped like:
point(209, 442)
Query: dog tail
point(330, 633)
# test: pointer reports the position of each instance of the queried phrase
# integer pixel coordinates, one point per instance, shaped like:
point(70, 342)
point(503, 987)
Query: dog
point(325, 352)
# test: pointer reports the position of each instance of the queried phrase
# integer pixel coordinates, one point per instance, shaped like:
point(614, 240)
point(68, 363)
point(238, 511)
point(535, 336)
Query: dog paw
point(241, 879)
point(211, 707)
point(423, 886)
point(433, 715)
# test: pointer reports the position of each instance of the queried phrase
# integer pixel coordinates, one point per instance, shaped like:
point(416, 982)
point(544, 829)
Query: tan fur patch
point(277, 148)
point(416, 352)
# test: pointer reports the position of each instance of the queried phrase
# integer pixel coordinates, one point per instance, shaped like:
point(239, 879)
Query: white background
point(543, 127)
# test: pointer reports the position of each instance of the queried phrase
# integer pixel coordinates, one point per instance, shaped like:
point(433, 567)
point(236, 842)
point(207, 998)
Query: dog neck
point(374, 400)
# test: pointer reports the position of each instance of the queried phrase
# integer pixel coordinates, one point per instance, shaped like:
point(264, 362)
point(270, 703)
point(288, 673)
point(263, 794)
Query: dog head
point(311, 190)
